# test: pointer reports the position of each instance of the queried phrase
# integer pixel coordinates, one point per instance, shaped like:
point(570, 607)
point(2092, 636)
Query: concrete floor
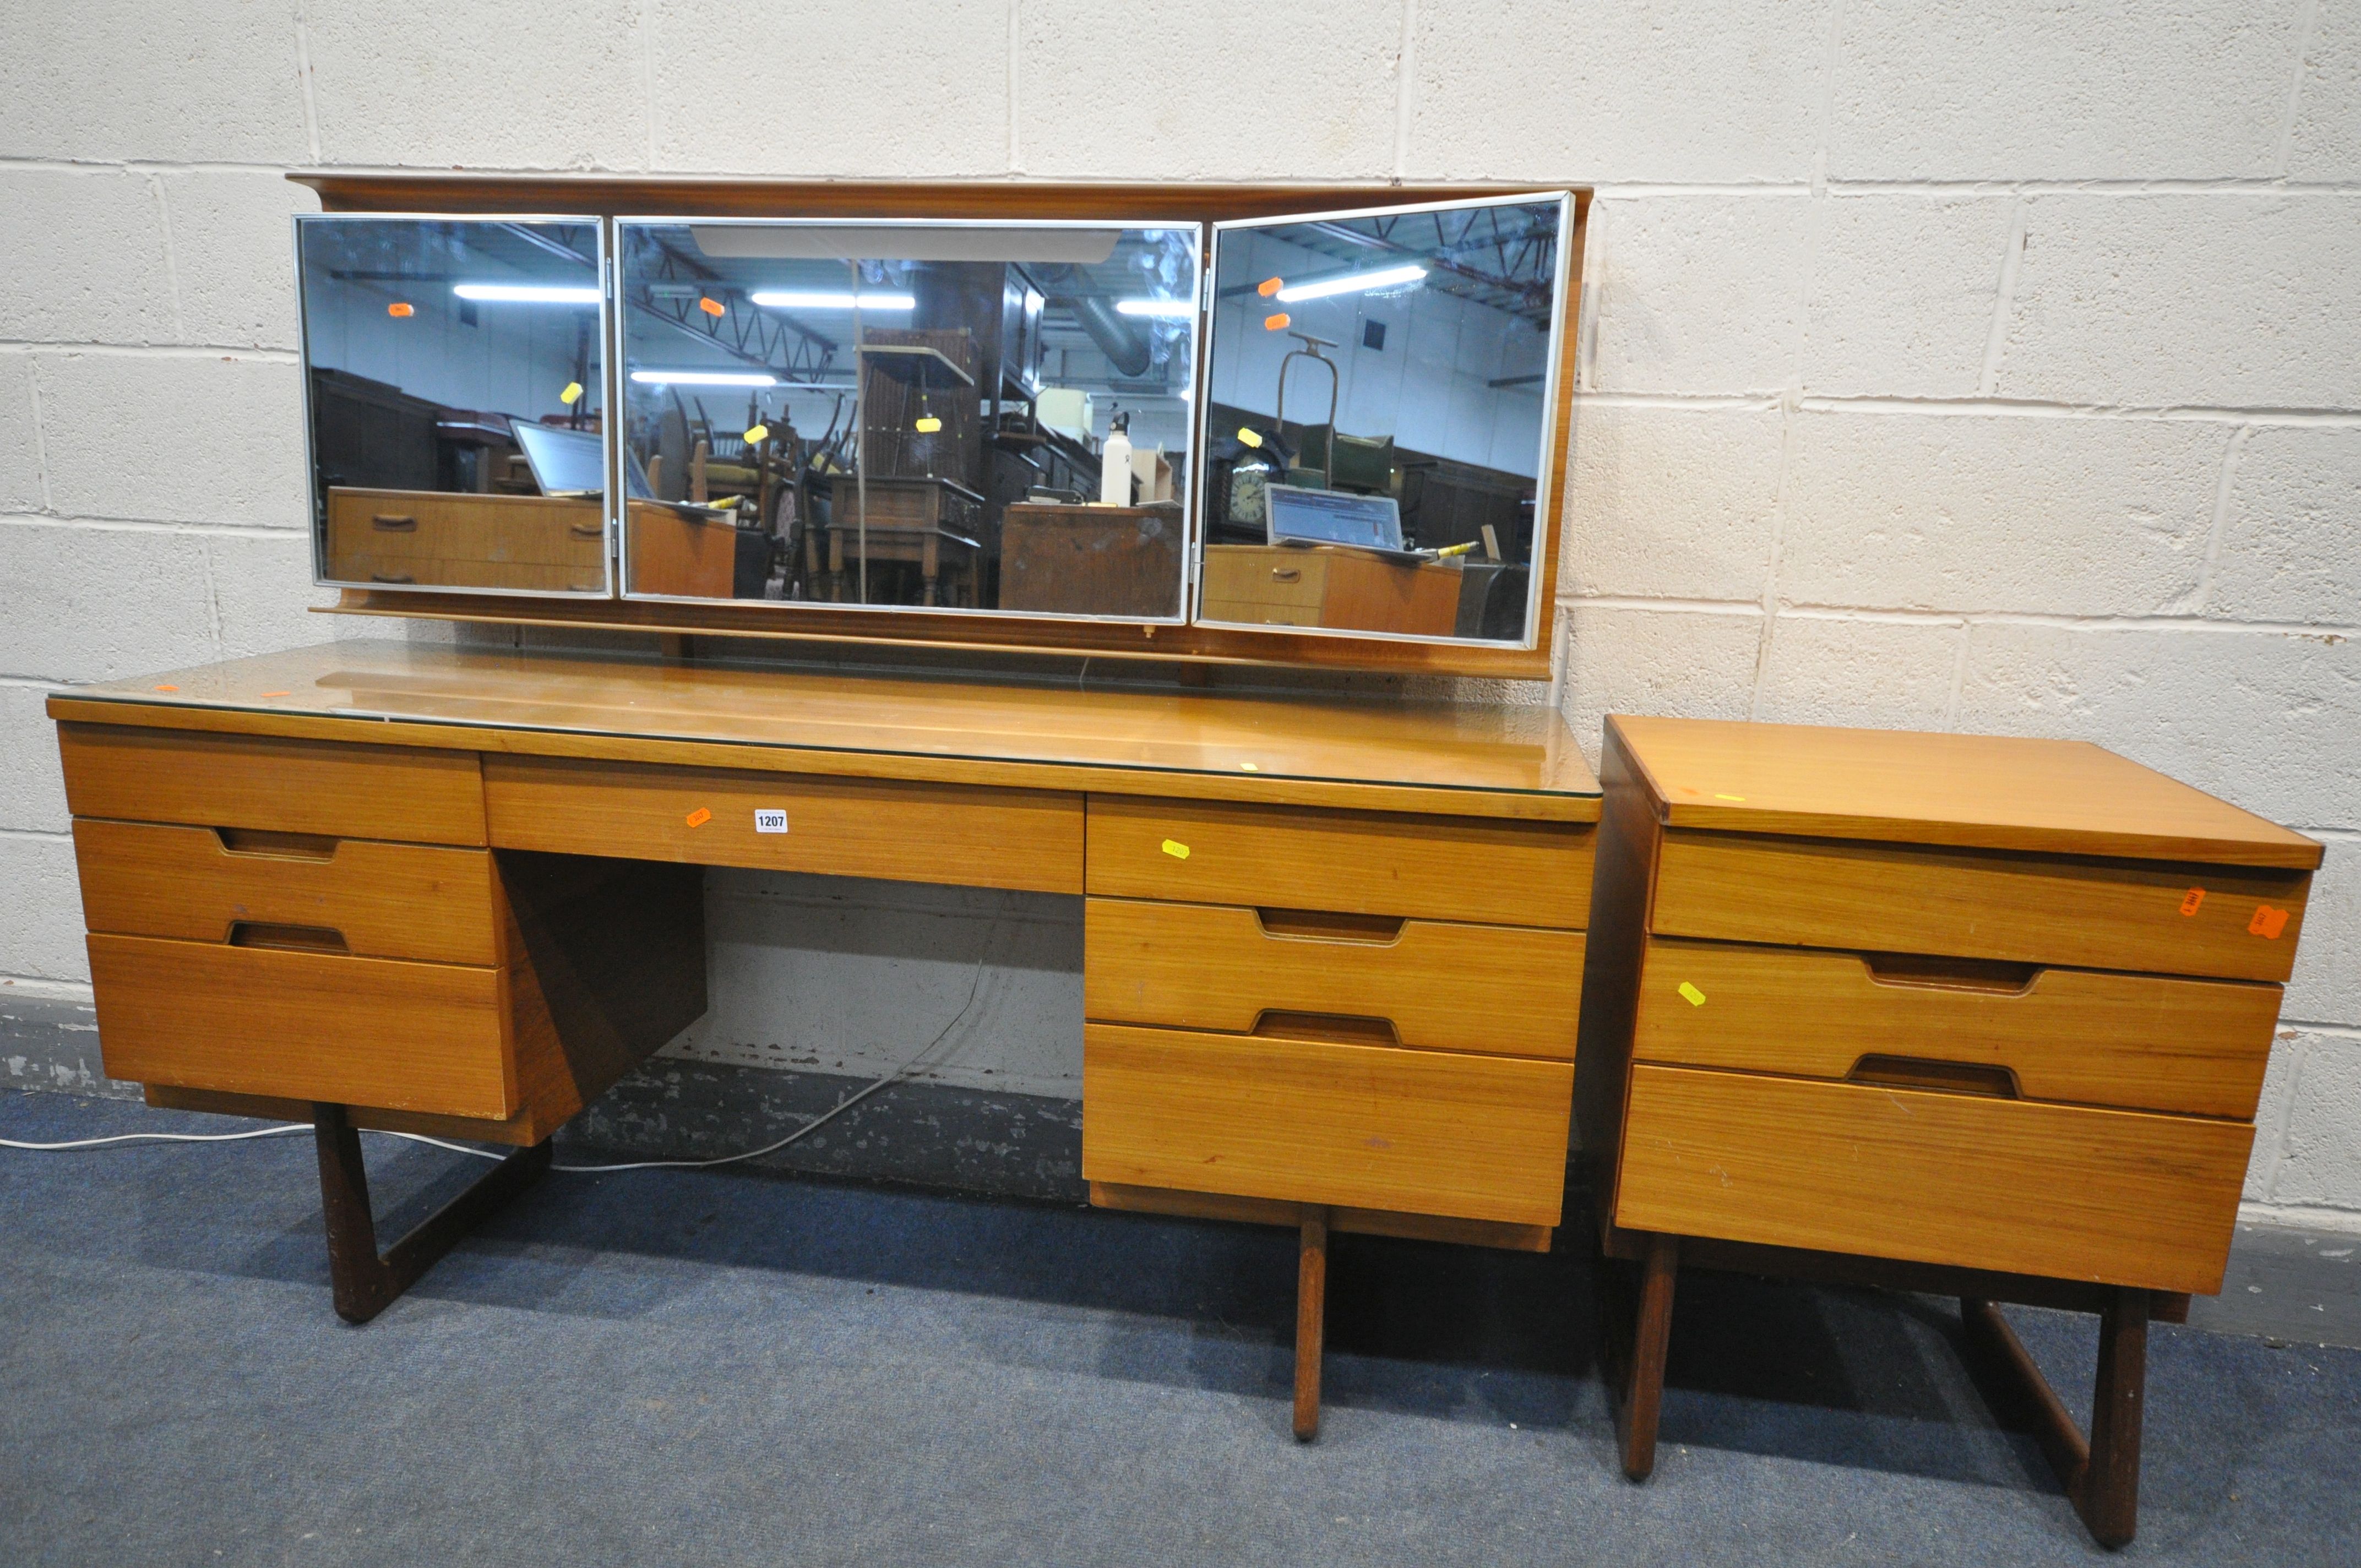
point(712, 1367)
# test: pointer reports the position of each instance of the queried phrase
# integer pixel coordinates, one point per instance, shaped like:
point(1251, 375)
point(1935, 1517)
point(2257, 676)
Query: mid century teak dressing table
point(456, 892)
point(1978, 1016)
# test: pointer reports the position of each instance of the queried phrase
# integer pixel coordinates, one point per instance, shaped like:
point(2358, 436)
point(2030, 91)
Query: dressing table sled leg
point(1311, 1319)
point(365, 1281)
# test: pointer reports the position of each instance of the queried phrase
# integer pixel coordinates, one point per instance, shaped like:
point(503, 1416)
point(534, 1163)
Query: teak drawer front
point(1031, 840)
point(1978, 903)
point(1354, 862)
point(1506, 989)
point(325, 788)
point(2147, 1042)
point(429, 526)
point(2072, 1193)
point(1310, 1121)
point(387, 901)
point(404, 1037)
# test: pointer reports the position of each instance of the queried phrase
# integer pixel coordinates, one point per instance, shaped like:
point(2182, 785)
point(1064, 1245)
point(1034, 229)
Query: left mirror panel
point(456, 388)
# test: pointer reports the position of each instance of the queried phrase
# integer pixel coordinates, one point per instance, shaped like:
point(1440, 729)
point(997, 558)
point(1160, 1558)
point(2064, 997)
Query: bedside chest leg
point(2102, 1472)
point(363, 1281)
point(2109, 1496)
point(1644, 1381)
point(1311, 1320)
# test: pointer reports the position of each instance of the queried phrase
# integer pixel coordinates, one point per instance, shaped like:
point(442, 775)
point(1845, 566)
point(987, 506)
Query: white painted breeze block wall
point(1991, 365)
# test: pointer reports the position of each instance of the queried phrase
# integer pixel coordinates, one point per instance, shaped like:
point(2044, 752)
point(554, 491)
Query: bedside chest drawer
point(1351, 862)
point(203, 884)
point(2114, 1196)
point(2150, 1042)
point(2221, 921)
point(1312, 1121)
point(1506, 990)
point(338, 789)
point(301, 1026)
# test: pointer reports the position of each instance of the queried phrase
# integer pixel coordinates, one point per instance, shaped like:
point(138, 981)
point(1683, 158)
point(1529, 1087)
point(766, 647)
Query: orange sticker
point(1276, 323)
point(168, 689)
point(1270, 286)
point(400, 308)
point(710, 306)
point(2268, 922)
point(278, 694)
point(699, 817)
point(2196, 896)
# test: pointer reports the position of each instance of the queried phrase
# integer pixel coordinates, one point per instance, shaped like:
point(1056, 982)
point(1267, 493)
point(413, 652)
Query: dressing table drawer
point(1347, 862)
point(1315, 1122)
point(2065, 1191)
point(2239, 923)
point(1022, 838)
point(1508, 989)
point(332, 788)
point(306, 1025)
point(2150, 1042)
point(363, 896)
point(437, 529)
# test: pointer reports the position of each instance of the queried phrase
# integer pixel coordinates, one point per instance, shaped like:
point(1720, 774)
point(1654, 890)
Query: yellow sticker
point(1248, 437)
point(759, 434)
point(1691, 995)
point(928, 425)
point(1720, 796)
point(1177, 850)
point(572, 392)
point(1251, 767)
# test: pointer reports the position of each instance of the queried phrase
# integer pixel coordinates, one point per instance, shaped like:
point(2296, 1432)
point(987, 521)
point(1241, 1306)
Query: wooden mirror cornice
point(610, 196)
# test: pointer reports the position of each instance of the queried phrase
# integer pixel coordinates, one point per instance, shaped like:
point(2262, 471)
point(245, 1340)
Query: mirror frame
point(465, 195)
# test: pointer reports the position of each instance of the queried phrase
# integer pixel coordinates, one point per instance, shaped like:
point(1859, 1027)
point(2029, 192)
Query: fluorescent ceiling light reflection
point(526, 293)
point(703, 379)
point(1352, 283)
point(810, 300)
point(1164, 310)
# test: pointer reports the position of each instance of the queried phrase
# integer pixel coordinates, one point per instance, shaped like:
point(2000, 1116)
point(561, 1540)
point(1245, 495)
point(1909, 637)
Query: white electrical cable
point(975, 982)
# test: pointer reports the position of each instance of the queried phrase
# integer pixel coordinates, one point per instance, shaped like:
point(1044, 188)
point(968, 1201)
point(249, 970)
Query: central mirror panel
point(1377, 446)
point(978, 416)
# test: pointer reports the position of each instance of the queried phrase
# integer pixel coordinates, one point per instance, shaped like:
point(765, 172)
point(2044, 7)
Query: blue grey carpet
point(708, 1368)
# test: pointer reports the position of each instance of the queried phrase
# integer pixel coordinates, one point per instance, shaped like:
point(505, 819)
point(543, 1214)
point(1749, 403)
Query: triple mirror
point(1336, 423)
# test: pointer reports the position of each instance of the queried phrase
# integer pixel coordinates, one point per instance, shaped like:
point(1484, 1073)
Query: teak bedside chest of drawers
point(1980, 1017)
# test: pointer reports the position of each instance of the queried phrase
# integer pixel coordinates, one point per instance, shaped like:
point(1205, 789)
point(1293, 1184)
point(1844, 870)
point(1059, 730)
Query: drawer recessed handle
point(279, 845)
point(586, 530)
point(1950, 1077)
point(1328, 925)
point(389, 522)
point(392, 578)
point(287, 938)
point(1335, 1028)
point(1951, 974)
point(1287, 574)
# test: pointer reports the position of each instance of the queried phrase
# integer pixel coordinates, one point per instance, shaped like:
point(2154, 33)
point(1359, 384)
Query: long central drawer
point(907, 832)
point(1314, 1122)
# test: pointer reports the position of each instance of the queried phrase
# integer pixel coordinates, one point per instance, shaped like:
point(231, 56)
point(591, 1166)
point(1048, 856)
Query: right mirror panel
point(1379, 438)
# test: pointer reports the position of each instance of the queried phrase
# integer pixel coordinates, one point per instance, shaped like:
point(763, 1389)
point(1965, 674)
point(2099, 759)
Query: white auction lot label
point(770, 819)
